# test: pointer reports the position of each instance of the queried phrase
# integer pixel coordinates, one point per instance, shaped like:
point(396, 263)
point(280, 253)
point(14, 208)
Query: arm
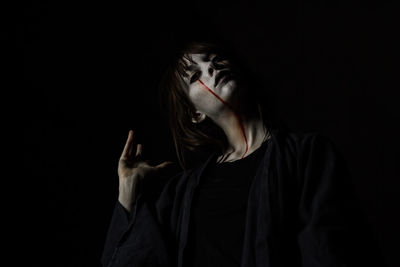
point(335, 229)
point(134, 234)
point(120, 221)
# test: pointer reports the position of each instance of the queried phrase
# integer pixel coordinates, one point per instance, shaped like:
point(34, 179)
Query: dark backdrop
point(89, 71)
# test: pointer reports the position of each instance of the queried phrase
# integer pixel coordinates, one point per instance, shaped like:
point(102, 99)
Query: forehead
point(193, 58)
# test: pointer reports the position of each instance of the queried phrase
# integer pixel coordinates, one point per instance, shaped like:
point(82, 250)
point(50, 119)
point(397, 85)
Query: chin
point(229, 86)
point(229, 91)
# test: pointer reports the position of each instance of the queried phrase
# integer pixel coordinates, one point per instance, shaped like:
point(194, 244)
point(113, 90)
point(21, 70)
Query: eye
point(194, 77)
point(218, 62)
point(217, 59)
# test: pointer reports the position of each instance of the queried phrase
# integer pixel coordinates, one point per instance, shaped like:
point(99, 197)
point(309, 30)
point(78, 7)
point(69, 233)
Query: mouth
point(222, 76)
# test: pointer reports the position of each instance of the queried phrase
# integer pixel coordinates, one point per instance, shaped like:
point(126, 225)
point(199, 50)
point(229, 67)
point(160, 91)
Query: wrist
point(127, 192)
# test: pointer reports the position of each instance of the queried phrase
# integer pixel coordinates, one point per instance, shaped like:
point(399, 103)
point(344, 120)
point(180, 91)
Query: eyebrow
point(205, 58)
point(191, 67)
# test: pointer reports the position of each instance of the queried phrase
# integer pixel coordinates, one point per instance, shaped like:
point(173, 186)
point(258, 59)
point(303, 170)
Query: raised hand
point(131, 169)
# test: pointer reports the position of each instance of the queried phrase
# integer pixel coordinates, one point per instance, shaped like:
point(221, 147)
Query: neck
point(244, 129)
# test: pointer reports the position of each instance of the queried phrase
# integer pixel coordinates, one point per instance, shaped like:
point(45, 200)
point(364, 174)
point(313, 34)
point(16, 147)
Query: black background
point(88, 73)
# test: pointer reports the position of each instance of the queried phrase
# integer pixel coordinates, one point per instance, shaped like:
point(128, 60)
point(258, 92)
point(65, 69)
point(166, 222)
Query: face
point(210, 82)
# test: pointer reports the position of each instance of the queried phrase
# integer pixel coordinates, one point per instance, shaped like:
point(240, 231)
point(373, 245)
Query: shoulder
point(292, 137)
point(161, 185)
point(175, 184)
point(304, 148)
point(293, 142)
point(297, 141)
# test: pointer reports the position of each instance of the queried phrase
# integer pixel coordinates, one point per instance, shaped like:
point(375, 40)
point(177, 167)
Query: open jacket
point(302, 210)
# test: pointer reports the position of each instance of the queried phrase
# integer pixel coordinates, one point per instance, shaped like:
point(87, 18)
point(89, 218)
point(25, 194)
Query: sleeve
point(139, 238)
point(121, 219)
point(335, 231)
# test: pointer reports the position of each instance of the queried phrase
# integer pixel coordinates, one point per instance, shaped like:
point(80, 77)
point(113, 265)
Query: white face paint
point(216, 74)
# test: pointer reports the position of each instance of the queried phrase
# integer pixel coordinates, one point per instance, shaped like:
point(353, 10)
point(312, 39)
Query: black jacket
point(302, 211)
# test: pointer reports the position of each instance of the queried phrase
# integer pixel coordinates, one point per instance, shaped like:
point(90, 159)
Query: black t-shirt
point(218, 212)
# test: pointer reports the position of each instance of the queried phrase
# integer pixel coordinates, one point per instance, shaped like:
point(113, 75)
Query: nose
point(210, 71)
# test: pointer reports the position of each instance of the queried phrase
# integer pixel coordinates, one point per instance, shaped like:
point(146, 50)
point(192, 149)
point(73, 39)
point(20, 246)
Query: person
point(248, 194)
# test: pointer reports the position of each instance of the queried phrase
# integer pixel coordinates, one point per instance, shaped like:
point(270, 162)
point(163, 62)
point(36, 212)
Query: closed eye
point(194, 77)
point(219, 62)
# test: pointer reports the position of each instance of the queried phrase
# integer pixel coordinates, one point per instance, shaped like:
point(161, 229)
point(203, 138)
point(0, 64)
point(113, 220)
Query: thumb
point(164, 164)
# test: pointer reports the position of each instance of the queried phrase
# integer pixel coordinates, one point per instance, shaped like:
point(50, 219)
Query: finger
point(139, 150)
point(130, 149)
point(128, 145)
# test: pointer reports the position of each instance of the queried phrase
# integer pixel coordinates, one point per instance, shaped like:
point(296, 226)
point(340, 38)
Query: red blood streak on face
point(237, 117)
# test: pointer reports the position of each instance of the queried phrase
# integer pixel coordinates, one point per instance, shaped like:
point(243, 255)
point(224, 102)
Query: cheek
point(196, 92)
point(199, 96)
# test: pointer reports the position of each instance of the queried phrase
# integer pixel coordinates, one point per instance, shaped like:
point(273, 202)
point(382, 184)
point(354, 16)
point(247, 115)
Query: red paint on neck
point(234, 112)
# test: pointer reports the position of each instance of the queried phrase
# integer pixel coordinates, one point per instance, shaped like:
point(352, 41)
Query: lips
point(222, 75)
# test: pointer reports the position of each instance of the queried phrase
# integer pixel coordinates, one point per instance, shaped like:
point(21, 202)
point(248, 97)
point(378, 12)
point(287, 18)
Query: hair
point(193, 142)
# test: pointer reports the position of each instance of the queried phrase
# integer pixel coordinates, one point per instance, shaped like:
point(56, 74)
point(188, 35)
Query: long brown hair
point(193, 141)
